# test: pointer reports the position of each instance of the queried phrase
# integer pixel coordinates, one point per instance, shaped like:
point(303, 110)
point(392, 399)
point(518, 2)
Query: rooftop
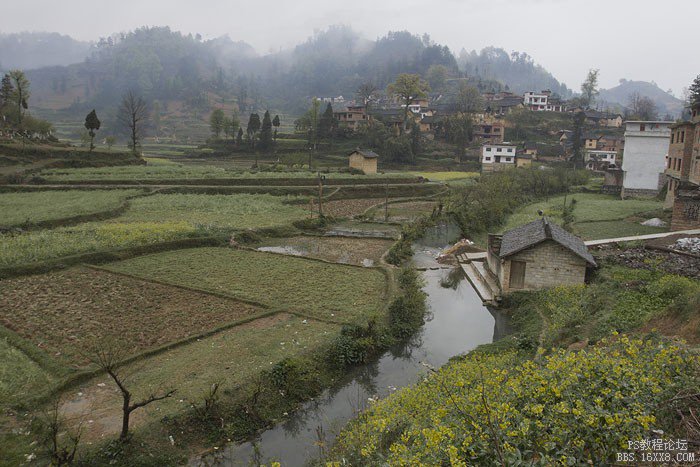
point(366, 153)
point(541, 230)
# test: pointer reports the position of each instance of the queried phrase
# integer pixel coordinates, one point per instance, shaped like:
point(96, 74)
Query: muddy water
point(457, 323)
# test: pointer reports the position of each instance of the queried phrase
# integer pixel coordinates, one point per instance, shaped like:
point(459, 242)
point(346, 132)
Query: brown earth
point(349, 207)
point(336, 249)
point(63, 312)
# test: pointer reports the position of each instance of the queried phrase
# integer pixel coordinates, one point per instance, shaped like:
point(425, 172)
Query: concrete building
point(644, 157)
point(600, 160)
point(365, 161)
point(542, 102)
point(498, 156)
point(535, 256)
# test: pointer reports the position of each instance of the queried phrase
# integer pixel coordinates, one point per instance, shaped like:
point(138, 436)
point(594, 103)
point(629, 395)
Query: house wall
point(644, 157)
point(548, 264)
point(367, 165)
point(686, 213)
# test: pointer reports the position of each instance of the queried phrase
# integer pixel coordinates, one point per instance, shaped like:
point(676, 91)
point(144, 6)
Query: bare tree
point(133, 115)
point(642, 107)
point(60, 442)
point(107, 355)
point(367, 92)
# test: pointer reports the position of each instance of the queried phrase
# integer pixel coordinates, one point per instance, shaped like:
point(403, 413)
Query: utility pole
point(386, 202)
point(321, 178)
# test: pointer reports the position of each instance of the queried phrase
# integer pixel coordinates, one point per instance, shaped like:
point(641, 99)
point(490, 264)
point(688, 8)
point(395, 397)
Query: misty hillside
point(620, 95)
point(28, 50)
point(192, 73)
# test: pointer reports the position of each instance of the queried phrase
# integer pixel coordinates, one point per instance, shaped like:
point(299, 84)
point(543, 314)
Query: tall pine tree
point(266, 132)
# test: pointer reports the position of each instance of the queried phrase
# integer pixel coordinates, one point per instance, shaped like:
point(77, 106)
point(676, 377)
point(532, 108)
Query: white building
point(498, 156)
point(644, 157)
point(542, 102)
point(601, 156)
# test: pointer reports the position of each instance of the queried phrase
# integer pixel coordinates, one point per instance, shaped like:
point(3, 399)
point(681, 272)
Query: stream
point(456, 323)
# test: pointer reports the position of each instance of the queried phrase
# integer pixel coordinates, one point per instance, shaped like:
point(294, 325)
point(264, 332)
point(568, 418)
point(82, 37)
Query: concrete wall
point(644, 157)
point(548, 264)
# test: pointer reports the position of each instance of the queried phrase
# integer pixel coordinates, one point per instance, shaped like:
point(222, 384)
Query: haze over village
point(316, 233)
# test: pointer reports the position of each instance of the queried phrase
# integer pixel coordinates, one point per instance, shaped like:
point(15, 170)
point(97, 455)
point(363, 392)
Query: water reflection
point(459, 323)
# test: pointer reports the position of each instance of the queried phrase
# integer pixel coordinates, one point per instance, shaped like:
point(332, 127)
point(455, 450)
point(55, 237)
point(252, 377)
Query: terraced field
point(329, 291)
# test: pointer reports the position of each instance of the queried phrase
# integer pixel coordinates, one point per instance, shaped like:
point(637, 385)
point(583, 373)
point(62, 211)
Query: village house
point(599, 160)
point(503, 105)
point(686, 189)
point(530, 148)
point(537, 255)
point(606, 119)
point(590, 141)
point(351, 116)
point(542, 102)
point(364, 160)
point(679, 158)
point(496, 157)
point(611, 143)
point(644, 157)
point(489, 132)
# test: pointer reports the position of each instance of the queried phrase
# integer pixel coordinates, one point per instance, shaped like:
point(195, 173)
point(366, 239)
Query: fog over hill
point(620, 95)
point(28, 50)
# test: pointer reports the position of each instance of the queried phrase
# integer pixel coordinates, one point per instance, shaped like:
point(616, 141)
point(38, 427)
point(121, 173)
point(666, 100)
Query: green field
point(40, 206)
point(164, 171)
point(446, 176)
point(595, 215)
point(242, 211)
point(330, 291)
point(152, 219)
point(19, 374)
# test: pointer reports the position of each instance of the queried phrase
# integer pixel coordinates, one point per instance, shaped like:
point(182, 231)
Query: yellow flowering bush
point(567, 408)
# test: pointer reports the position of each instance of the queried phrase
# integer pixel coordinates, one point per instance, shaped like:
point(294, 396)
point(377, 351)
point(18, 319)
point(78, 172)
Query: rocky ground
point(656, 254)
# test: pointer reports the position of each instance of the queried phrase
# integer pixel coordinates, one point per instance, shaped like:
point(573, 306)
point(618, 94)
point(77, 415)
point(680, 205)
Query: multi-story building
point(542, 101)
point(683, 172)
point(644, 157)
point(600, 160)
point(498, 156)
point(351, 116)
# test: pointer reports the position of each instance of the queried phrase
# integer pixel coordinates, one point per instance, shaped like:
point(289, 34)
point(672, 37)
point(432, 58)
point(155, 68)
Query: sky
point(632, 39)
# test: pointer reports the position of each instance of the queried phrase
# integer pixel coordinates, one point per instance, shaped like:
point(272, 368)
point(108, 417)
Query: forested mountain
point(621, 96)
point(169, 66)
point(517, 70)
point(28, 50)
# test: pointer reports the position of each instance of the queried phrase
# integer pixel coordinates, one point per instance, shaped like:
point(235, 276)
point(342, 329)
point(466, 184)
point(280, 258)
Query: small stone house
point(363, 160)
point(537, 255)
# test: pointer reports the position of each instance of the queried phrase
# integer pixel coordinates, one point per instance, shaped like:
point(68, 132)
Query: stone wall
point(548, 264)
point(686, 213)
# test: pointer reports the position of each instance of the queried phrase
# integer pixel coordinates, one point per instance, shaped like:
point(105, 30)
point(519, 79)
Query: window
point(509, 159)
point(642, 127)
point(510, 149)
point(672, 135)
point(683, 136)
point(488, 149)
point(499, 150)
point(487, 159)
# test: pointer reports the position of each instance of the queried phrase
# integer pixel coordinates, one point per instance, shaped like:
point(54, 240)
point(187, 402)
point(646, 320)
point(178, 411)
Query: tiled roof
point(538, 231)
point(366, 153)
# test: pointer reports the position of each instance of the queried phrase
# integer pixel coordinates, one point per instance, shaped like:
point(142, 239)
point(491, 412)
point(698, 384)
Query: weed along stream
point(456, 323)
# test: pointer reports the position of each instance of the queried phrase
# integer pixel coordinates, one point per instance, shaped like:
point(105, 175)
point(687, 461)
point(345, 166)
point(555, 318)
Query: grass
point(446, 176)
point(64, 312)
point(242, 211)
point(41, 206)
point(231, 358)
point(152, 219)
point(330, 291)
point(161, 171)
point(19, 375)
point(606, 214)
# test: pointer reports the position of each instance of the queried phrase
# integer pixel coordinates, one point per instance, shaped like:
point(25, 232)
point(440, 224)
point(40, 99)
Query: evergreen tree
point(92, 124)
point(20, 93)
point(266, 132)
point(239, 138)
point(276, 124)
point(325, 126)
point(253, 128)
point(6, 91)
point(577, 136)
point(694, 92)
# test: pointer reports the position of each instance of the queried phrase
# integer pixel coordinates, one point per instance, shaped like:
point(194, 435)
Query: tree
point(642, 107)
point(266, 132)
point(469, 99)
point(589, 88)
point(327, 124)
point(437, 76)
point(6, 92)
point(133, 115)
point(92, 124)
point(459, 131)
point(216, 122)
point(276, 124)
point(109, 141)
point(231, 125)
point(107, 355)
point(577, 136)
point(239, 138)
point(53, 432)
point(694, 92)
point(367, 92)
point(20, 93)
point(252, 130)
point(407, 88)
